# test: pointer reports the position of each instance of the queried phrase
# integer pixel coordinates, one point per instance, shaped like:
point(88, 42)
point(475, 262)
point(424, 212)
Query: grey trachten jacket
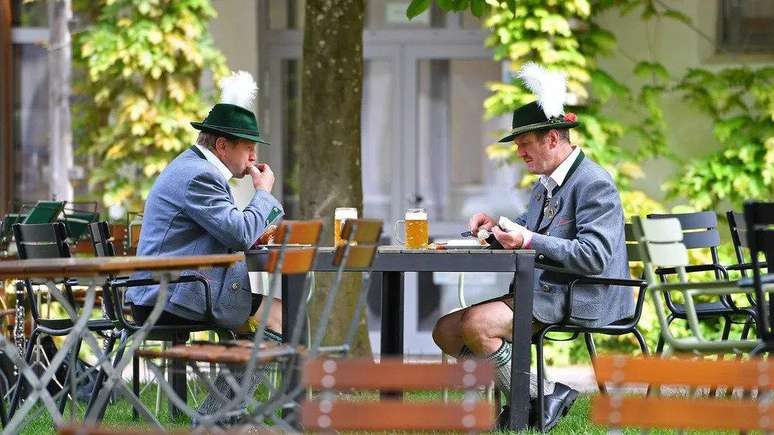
point(582, 230)
point(190, 211)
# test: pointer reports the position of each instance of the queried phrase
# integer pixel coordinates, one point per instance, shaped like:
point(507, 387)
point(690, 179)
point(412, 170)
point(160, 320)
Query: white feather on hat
point(239, 89)
point(550, 88)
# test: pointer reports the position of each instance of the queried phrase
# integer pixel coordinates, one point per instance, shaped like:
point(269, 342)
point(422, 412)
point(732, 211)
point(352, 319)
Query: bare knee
point(474, 326)
point(446, 333)
point(483, 328)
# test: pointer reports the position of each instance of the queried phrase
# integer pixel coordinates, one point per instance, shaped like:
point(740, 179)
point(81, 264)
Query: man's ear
point(220, 145)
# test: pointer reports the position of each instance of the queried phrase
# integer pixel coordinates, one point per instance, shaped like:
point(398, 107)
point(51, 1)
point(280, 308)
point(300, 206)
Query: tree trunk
point(329, 138)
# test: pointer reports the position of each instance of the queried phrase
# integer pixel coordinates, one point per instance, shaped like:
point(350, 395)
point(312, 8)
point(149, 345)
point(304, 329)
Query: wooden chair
point(621, 327)
point(288, 258)
point(700, 232)
point(662, 248)
point(114, 308)
point(329, 412)
point(682, 410)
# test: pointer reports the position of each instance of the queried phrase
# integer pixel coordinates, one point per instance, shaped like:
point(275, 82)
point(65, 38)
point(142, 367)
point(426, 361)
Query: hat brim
point(537, 127)
point(228, 133)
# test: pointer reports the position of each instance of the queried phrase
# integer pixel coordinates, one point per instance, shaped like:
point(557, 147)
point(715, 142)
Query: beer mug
point(339, 216)
point(416, 228)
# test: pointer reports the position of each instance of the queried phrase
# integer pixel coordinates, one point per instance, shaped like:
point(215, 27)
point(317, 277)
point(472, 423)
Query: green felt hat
point(232, 121)
point(530, 117)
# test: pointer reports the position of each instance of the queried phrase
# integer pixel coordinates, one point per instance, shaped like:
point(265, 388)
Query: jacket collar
point(212, 158)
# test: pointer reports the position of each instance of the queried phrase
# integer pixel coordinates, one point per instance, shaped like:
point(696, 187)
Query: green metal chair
point(662, 247)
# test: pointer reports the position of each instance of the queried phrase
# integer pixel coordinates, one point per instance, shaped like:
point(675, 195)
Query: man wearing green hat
point(574, 219)
point(190, 210)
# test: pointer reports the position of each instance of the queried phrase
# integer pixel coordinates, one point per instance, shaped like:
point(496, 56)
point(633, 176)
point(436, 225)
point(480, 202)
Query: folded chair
point(662, 246)
point(621, 327)
point(114, 309)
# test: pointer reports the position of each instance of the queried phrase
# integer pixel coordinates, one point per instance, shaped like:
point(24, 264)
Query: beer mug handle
point(396, 233)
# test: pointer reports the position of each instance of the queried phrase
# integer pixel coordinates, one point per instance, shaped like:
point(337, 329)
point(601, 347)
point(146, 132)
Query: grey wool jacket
point(581, 230)
point(190, 211)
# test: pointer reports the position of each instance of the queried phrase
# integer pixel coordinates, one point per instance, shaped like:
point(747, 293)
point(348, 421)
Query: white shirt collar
point(560, 173)
point(212, 158)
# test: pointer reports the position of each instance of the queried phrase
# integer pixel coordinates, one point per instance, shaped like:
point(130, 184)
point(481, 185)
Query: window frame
point(723, 46)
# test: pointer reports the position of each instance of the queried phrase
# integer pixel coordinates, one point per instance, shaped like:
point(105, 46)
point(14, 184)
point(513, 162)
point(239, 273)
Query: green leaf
point(477, 7)
point(511, 5)
point(416, 7)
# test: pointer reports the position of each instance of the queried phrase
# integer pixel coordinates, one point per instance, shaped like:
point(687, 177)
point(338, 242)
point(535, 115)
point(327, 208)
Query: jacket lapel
point(538, 195)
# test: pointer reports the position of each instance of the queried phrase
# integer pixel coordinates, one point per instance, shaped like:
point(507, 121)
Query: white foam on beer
point(416, 216)
point(345, 213)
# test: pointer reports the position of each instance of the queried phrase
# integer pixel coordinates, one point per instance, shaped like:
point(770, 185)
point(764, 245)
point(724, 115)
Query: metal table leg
point(392, 320)
point(522, 339)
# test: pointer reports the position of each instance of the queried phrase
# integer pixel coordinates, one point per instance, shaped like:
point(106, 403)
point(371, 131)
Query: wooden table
point(389, 266)
point(96, 270)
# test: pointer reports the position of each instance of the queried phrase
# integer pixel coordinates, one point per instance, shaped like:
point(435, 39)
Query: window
point(746, 26)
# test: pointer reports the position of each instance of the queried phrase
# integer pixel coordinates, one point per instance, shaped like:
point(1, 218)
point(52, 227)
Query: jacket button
point(541, 256)
point(548, 233)
point(546, 288)
point(234, 286)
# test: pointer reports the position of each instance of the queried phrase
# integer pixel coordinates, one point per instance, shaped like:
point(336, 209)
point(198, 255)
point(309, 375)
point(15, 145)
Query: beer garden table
point(389, 266)
point(95, 270)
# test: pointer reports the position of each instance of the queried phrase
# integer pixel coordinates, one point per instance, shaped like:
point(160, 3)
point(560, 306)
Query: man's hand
point(480, 220)
point(509, 240)
point(263, 177)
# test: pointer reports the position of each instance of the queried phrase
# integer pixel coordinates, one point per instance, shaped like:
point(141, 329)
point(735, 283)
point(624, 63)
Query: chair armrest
point(121, 283)
point(591, 280)
point(748, 282)
point(694, 268)
point(745, 266)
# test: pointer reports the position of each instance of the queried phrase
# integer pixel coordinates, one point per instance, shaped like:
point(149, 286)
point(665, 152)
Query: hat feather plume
point(239, 89)
point(550, 88)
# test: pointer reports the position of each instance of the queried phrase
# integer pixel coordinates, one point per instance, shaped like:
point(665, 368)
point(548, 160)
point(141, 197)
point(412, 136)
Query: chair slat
point(659, 412)
point(633, 252)
point(295, 260)
point(688, 372)
point(301, 232)
point(701, 239)
point(367, 230)
point(668, 254)
point(396, 415)
point(691, 221)
point(662, 230)
point(392, 374)
point(359, 256)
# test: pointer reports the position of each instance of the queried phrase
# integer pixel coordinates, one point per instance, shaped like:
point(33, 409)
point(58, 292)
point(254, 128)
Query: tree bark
point(329, 137)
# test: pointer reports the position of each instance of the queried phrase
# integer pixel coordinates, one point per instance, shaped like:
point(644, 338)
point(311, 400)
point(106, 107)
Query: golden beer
point(339, 216)
point(417, 230)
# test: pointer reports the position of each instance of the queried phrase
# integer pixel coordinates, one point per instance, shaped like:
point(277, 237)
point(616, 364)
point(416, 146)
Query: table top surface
point(400, 259)
point(80, 267)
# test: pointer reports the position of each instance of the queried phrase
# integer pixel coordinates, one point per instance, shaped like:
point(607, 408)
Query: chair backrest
point(77, 221)
point(738, 229)
point(632, 242)
point(101, 239)
point(331, 375)
point(362, 236)
point(41, 240)
point(661, 245)
point(295, 259)
point(681, 411)
point(44, 212)
point(699, 232)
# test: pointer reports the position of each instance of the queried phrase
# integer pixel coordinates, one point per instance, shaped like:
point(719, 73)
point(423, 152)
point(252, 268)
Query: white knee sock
point(502, 361)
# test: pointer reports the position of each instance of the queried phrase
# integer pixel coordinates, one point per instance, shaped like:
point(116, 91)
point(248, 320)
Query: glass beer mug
point(339, 216)
point(416, 234)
